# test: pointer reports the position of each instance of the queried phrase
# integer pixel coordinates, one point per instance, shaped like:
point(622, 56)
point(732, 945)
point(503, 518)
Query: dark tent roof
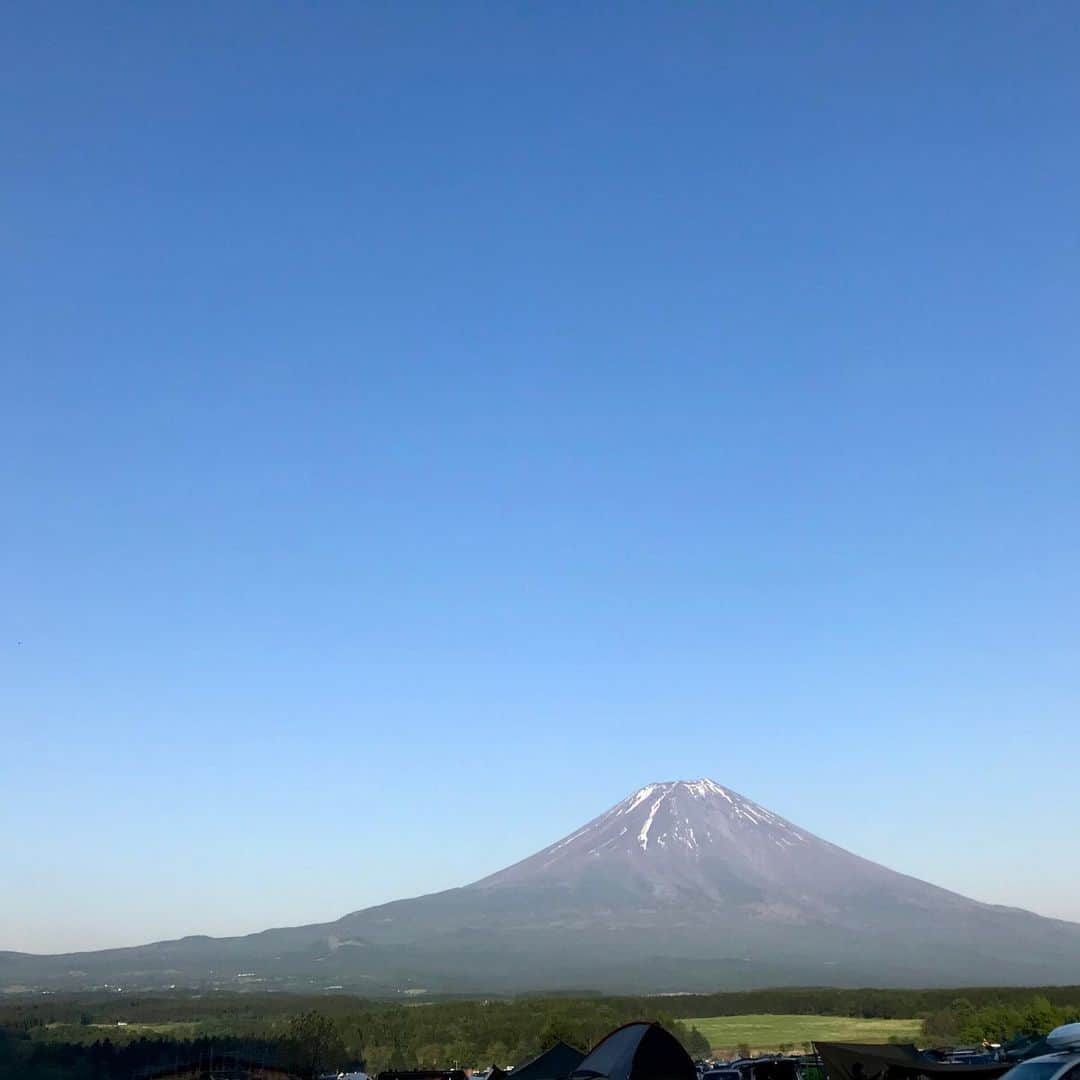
point(495, 1073)
point(899, 1061)
point(1025, 1046)
point(639, 1051)
point(555, 1063)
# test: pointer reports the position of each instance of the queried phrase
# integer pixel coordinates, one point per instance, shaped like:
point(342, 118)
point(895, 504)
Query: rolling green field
point(764, 1031)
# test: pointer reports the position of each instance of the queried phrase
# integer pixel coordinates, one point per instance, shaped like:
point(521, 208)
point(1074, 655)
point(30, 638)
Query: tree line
point(239, 1008)
point(319, 1033)
point(99, 1036)
point(998, 1021)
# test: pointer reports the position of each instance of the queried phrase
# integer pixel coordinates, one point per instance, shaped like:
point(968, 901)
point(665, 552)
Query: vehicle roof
point(1062, 1057)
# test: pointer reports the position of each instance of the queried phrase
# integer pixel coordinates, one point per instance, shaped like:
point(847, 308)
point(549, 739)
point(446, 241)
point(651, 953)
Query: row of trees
point(486, 1033)
point(964, 1021)
point(312, 1044)
point(233, 1011)
point(24, 1058)
point(868, 1003)
point(458, 1034)
point(66, 1038)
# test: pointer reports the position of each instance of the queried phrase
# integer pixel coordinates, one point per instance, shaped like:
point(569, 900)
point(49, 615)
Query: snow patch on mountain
point(690, 821)
point(634, 801)
point(643, 835)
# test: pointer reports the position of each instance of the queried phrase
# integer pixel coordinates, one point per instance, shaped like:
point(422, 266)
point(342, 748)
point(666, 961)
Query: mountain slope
point(682, 885)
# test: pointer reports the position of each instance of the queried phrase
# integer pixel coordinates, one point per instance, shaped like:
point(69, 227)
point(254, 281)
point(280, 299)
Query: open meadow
point(770, 1031)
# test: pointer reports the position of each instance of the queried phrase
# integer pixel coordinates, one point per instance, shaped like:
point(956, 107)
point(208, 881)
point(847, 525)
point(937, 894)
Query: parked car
point(721, 1074)
point(1062, 1064)
point(768, 1068)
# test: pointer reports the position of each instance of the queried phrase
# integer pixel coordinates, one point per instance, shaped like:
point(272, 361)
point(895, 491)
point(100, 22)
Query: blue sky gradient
point(424, 424)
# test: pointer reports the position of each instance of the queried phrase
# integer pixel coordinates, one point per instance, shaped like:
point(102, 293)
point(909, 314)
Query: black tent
point(639, 1051)
point(895, 1061)
point(555, 1063)
point(1025, 1046)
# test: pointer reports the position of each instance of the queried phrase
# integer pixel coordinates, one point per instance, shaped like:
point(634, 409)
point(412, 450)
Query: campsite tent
point(555, 1063)
point(1025, 1046)
point(899, 1061)
point(639, 1051)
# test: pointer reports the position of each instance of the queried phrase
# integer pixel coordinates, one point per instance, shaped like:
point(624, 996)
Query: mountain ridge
point(681, 885)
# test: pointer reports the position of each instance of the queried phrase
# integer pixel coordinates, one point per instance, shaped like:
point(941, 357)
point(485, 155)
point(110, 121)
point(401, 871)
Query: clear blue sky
point(423, 424)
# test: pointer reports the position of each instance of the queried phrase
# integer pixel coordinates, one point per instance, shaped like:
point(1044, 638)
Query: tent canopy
point(899, 1061)
point(1025, 1046)
point(638, 1051)
point(555, 1063)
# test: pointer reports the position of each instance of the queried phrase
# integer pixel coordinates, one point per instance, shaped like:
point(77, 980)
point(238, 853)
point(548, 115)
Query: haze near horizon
point(425, 426)
point(681, 886)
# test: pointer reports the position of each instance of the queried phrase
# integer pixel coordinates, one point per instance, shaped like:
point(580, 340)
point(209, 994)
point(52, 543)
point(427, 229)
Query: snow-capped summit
point(666, 823)
point(675, 805)
point(694, 839)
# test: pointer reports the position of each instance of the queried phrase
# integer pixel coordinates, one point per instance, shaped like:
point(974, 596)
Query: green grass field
point(770, 1032)
point(121, 1034)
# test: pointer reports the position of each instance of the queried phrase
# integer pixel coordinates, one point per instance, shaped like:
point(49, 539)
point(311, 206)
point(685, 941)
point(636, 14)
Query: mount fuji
point(683, 885)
